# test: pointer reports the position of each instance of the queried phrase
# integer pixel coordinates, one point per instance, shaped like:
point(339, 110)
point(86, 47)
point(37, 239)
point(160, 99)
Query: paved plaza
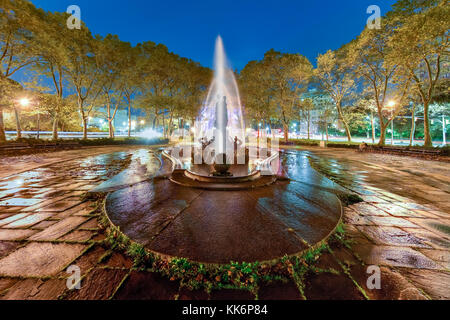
point(47, 225)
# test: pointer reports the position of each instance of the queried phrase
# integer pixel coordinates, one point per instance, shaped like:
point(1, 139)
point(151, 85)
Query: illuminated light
point(391, 103)
point(142, 122)
point(149, 134)
point(24, 102)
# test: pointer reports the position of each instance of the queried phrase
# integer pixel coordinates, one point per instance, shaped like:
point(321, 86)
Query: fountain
point(222, 196)
point(222, 108)
point(221, 158)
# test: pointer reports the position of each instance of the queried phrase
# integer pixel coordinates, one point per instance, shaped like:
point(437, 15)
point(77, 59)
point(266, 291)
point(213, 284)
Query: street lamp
point(391, 105)
point(24, 102)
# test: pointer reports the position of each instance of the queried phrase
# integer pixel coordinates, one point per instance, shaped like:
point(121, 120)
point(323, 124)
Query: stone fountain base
point(210, 222)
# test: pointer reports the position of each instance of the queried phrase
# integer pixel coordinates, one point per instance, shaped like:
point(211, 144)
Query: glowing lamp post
point(23, 102)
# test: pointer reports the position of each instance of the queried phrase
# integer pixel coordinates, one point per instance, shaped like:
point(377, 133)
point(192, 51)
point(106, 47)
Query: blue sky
point(249, 28)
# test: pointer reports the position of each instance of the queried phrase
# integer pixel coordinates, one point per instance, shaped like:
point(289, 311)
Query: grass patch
point(233, 275)
point(316, 143)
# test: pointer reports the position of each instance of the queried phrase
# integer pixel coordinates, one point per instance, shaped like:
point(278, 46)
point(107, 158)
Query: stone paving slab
point(35, 289)
point(147, 286)
point(12, 218)
point(440, 290)
point(392, 236)
point(99, 284)
point(39, 259)
point(59, 229)
point(29, 220)
point(394, 285)
point(15, 234)
point(395, 257)
point(440, 256)
point(6, 247)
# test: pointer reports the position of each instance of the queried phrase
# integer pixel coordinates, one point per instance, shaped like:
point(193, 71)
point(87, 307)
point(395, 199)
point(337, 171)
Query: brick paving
point(403, 226)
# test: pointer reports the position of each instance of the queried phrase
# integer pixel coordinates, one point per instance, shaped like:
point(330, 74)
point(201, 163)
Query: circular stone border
point(295, 217)
point(166, 258)
point(187, 271)
point(271, 261)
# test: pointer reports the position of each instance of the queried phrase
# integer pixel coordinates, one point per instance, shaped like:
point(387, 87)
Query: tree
point(334, 76)
point(18, 22)
point(420, 45)
point(54, 52)
point(131, 77)
point(112, 61)
point(284, 77)
point(385, 82)
point(326, 109)
point(83, 71)
point(306, 106)
point(10, 91)
point(256, 91)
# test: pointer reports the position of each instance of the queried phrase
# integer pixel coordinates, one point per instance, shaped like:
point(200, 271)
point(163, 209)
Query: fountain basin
point(219, 226)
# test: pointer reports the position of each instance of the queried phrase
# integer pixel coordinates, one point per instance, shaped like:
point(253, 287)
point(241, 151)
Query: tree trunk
point(309, 124)
point(164, 125)
point(272, 132)
point(181, 125)
point(18, 128)
point(55, 127)
point(111, 129)
point(347, 132)
point(383, 128)
point(341, 117)
point(413, 126)
point(286, 132)
point(373, 127)
point(84, 118)
point(85, 130)
point(2, 126)
point(169, 127)
point(426, 122)
point(326, 130)
point(129, 119)
point(38, 125)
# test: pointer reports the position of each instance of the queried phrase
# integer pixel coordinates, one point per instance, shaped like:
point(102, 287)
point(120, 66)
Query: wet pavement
point(402, 226)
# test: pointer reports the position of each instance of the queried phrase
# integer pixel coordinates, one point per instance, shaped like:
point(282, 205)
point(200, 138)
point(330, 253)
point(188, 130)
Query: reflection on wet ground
point(144, 164)
point(424, 182)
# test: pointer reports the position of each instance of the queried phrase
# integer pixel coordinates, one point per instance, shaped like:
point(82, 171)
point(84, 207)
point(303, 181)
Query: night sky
point(249, 28)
